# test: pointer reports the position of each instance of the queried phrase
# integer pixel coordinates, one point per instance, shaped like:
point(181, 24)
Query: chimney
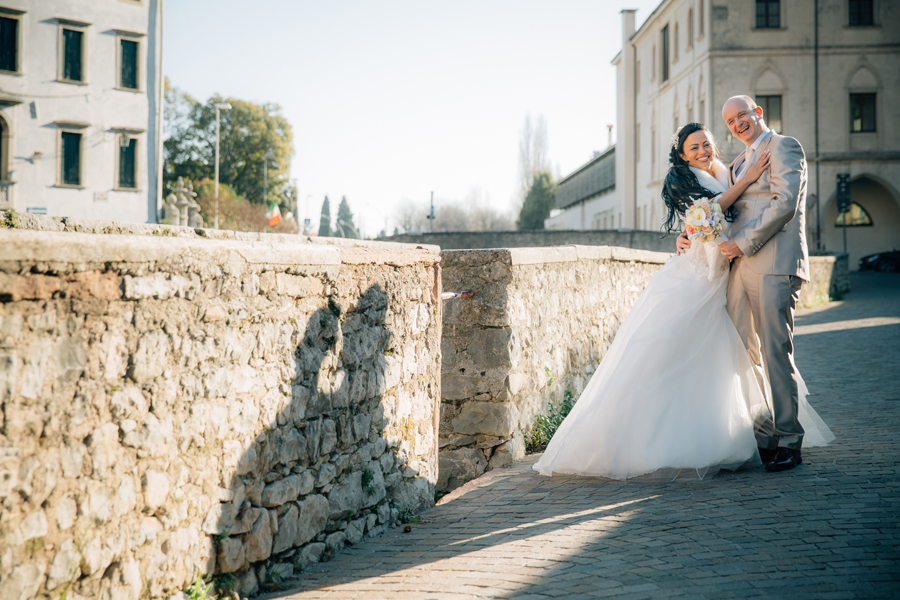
point(609, 137)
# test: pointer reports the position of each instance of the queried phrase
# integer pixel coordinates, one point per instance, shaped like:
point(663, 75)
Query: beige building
point(826, 72)
point(80, 108)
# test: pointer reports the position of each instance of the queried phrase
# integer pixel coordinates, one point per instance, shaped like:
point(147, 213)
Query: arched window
point(856, 217)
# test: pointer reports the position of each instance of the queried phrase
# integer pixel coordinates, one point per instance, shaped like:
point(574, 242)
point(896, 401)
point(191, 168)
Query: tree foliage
point(325, 219)
point(533, 157)
point(539, 201)
point(346, 228)
point(236, 213)
point(248, 131)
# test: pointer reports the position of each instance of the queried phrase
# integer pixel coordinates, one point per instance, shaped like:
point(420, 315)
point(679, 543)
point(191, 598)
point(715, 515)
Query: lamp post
point(220, 106)
point(269, 155)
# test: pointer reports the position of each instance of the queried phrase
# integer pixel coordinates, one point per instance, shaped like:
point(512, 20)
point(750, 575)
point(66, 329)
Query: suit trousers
point(762, 308)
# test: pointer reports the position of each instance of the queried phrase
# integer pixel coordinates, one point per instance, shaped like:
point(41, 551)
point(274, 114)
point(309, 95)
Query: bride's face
point(698, 150)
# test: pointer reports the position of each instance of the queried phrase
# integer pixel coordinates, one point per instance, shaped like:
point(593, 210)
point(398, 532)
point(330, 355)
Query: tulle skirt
point(675, 396)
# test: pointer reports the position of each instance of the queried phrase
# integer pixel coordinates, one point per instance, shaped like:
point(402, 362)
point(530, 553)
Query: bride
point(676, 394)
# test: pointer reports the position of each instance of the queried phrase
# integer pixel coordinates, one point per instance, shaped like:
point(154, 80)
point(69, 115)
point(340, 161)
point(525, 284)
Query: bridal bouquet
point(705, 222)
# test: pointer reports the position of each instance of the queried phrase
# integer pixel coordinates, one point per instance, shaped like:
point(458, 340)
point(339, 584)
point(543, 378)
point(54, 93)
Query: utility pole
point(430, 217)
point(219, 107)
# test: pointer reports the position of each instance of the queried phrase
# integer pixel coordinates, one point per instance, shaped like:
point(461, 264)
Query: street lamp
point(220, 106)
point(269, 156)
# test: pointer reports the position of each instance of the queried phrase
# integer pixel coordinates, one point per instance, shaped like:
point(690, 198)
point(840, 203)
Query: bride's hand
point(759, 167)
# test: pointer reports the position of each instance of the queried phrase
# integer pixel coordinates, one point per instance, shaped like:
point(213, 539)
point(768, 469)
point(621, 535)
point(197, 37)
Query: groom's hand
point(682, 243)
point(730, 250)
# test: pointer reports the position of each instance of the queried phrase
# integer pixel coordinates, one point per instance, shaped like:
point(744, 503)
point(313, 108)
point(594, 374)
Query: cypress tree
point(325, 219)
point(347, 227)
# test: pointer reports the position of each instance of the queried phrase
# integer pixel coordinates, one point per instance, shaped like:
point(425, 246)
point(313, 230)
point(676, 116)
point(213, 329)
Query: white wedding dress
point(675, 396)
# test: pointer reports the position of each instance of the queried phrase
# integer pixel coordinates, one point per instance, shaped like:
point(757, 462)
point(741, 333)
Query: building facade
point(826, 72)
point(81, 108)
point(586, 198)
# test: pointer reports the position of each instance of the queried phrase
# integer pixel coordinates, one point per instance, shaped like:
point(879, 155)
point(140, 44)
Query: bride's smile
point(699, 150)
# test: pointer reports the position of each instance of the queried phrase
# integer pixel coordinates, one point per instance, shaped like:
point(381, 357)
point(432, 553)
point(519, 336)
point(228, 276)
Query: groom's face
point(745, 122)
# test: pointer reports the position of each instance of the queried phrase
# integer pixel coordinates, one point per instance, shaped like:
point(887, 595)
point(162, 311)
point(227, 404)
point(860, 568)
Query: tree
point(325, 219)
point(533, 158)
point(541, 199)
point(248, 131)
point(345, 226)
point(236, 213)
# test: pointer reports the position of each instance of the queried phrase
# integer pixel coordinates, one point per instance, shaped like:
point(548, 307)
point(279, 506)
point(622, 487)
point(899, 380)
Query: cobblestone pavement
point(828, 529)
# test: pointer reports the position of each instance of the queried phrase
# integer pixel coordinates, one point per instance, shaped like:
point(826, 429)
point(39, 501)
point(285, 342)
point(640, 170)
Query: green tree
point(539, 201)
point(346, 227)
point(248, 131)
point(325, 219)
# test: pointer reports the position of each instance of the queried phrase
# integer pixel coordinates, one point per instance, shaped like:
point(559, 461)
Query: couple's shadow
point(330, 464)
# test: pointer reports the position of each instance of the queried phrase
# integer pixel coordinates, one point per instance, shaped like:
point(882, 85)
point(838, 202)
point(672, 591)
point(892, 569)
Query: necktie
point(748, 156)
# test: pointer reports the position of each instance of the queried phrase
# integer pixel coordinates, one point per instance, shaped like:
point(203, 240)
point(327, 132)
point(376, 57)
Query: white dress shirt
point(749, 153)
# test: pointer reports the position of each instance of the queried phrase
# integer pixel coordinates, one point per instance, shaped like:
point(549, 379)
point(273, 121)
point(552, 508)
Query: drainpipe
point(816, 59)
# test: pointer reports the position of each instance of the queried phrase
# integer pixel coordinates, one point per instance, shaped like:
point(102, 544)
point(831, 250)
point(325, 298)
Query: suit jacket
point(770, 227)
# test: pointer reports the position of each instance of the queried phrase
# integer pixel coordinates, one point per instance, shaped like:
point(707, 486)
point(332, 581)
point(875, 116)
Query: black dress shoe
point(766, 455)
point(785, 458)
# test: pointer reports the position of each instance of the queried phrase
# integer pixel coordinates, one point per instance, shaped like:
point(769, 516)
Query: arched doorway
point(874, 225)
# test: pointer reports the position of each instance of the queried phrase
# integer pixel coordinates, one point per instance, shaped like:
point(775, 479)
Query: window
point(771, 106)
point(664, 55)
point(768, 14)
point(856, 217)
point(862, 113)
point(72, 55)
point(9, 44)
point(861, 13)
point(70, 158)
point(128, 64)
point(127, 163)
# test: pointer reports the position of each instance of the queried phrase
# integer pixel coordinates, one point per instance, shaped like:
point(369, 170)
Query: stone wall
point(476, 240)
point(829, 274)
point(540, 322)
point(177, 404)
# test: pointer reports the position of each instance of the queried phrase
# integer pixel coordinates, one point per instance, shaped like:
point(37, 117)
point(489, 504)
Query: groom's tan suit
point(764, 283)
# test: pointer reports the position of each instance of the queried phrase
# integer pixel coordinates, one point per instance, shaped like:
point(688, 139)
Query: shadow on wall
point(325, 472)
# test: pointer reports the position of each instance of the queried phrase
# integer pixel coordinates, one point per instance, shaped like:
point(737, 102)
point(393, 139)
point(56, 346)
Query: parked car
point(886, 262)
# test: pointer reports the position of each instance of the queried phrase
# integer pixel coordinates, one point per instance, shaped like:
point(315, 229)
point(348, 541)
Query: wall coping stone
point(70, 225)
point(52, 246)
point(559, 254)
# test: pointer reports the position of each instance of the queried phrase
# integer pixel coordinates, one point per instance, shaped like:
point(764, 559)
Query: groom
point(769, 263)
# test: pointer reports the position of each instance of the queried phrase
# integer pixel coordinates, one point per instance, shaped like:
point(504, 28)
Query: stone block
point(312, 520)
point(156, 489)
point(456, 467)
point(335, 541)
point(258, 543)
point(487, 418)
point(507, 453)
point(103, 446)
point(310, 555)
point(247, 584)
point(231, 555)
point(149, 360)
point(287, 530)
point(23, 583)
point(282, 491)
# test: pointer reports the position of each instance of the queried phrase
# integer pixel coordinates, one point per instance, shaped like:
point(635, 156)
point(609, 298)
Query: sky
point(390, 101)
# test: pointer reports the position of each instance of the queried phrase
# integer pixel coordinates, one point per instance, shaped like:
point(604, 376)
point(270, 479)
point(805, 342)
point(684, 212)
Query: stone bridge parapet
point(175, 404)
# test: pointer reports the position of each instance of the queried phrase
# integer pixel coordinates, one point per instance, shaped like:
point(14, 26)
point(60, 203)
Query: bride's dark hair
point(681, 187)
